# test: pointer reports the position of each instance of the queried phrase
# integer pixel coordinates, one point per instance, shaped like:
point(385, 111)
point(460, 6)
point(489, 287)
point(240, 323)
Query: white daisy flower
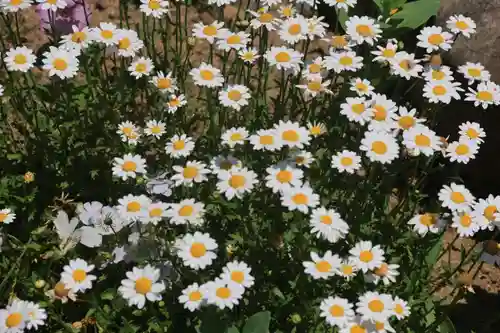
point(206, 75)
point(157, 211)
point(456, 197)
point(11, 6)
point(52, 5)
point(400, 308)
point(472, 131)
point(356, 109)
point(196, 250)
point(249, 55)
point(462, 151)
point(434, 38)
point(357, 325)
point(19, 59)
point(266, 139)
point(292, 134)
point(7, 216)
point(374, 306)
point(385, 272)
point(235, 182)
point(322, 267)
point(224, 162)
point(491, 252)
point(316, 128)
point(263, 18)
point(315, 87)
point(442, 91)
point(363, 29)
point(234, 96)
point(164, 83)
point(142, 284)
point(77, 40)
point(300, 198)
point(60, 62)
point(316, 28)
point(75, 275)
point(128, 43)
point(361, 86)
point(466, 223)
point(270, 3)
point(287, 10)
point(106, 33)
point(441, 73)
point(155, 8)
point(313, 70)
point(192, 172)
point(383, 111)
point(179, 146)
point(405, 65)
point(141, 67)
point(339, 43)
point(209, 32)
point(234, 136)
point(175, 102)
point(222, 293)
point(474, 72)
point(61, 293)
point(348, 268)
point(238, 272)
point(128, 132)
point(14, 317)
point(132, 208)
point(387, 53)
point(407, 119)
point(343, 61)
point(284, 58)
point(486, 212)
point(424, 223)
point(192, 297)
point(367, 256)
point(328, 224)
point(232, 40)
point(341, 4)
point(380, 147)
point(337, 311)
point(346, 161)
point(159, 184)
point(293, 29)
point(383, 327)
point(300, 158)
point(36, 315)
point(128, 166)
point(188, 211)
point(155, 128)
point(460, 24)
point(282, 177)
point(421, 140)
point(486, 94)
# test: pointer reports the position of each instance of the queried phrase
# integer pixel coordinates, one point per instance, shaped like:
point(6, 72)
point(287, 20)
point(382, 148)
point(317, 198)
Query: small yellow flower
point(29, 177)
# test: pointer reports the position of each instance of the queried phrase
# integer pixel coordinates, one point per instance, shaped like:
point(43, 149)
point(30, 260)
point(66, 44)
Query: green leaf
point(385, 6)
point(343, 17)
point(434, 252)
point(414, 14)
point(233, 329)
point(258, 323)
point(212, 323)
point(447, 326)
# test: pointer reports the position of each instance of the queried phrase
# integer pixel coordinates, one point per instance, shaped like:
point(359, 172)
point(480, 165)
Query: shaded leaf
point(258, 323)
point(414, 14)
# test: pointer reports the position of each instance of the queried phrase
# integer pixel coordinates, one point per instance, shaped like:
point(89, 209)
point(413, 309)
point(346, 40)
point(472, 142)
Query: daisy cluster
point(388, 132)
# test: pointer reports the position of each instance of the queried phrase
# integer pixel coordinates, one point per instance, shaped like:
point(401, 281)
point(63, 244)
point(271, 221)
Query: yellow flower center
point(405, 64)
point(14, 319)
point(358, 108)
point(398, 309)
point(439, 90)
point(238, 276)
point(300, 160)
point(406, 122)
point(323, 266)
point(234, 95)
point(60, 290)
point(282, 57)
point(315, 130)
point(78, 37)
point(154, 4)
point(290, 135)
point(366, 256)
point(294, 29)
point(133, 207)
point(379, 147)
point(338, 42)
point(287, 11)
point(195, 296)
point(314, 86)
point(156, 129)
point(3, 216)
point(265, 18)
point(300, 199)
point(379, 326)
point(223, 292)
point(422, 140)
point(60, 64)
point(325, 219)
point(474, 72)
point(380, 113)
point(266, 139)
point(346, 161)
point(435, 39)
point(357, 329)
point(198, 250)
point(20, 59)
point(364, 30)
point(388, 53)
point(465, 220)
point(314, 68)
point(345, 61)
point(361, 86)
point(210, 30)
point(347, 269)
point(140, 67)
point(129, 166)
point(284, 176)
point(155, 212)
point(179, 145)
point(427, 219)
point(248, 56)
point(206, 75)
point(107, 34)
point(16, 2)
point(462, 149)
point(462, 25)
point(472, 133)
point(164, 83)
point(190, 172)
point(382, 270)
point(79, 275)
point(336, 311)
point(174, 102)
point(143, 285)
point(489, 212)
point(457, 197)
point(237, 181)
point(236, 137)
point(234, 39)
point(376, 305)
point(186, 211)
point(484, 96)
point(438, 75)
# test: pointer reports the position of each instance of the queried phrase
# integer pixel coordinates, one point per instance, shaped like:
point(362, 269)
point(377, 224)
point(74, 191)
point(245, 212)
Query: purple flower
point(77, 13)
